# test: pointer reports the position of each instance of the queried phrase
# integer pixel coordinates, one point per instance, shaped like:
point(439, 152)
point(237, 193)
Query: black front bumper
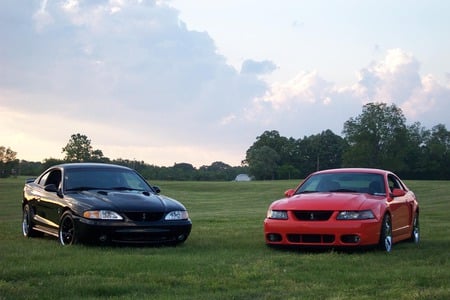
point(161, 232)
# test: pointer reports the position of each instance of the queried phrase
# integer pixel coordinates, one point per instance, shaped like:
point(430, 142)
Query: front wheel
point(415, 233)
point(386, 234)
point(67, 232)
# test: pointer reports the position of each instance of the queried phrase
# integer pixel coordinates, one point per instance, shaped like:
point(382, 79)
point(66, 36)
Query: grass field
point(225, 257)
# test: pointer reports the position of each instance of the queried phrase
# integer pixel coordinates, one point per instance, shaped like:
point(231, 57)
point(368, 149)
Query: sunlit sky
point(197, 81)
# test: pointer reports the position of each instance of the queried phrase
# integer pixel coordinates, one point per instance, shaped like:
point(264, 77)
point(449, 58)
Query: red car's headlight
point(355, 215)
point(277, 214)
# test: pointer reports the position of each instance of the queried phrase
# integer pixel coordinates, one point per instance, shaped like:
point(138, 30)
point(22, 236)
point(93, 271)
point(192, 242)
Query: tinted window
point(103, 178)
point(344, 182)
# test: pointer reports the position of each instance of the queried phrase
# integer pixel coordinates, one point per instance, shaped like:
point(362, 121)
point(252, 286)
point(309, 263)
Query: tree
point(263, 162)
point(437, 152)
point(8, 162)
point(377, 137)
point(79, 149)
point(7, 155)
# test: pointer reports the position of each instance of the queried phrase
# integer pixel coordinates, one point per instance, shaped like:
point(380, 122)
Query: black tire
point(27, 222)
point(385, 243)
point(415, 232)
point(67, 233)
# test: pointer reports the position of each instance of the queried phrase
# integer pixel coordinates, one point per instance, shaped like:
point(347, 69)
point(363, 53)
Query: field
point(225, 257)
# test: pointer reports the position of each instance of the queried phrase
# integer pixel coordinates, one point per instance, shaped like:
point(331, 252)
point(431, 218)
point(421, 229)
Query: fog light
point(274, 237)
point(350, 239)
point(181, 237)
point(103, 238)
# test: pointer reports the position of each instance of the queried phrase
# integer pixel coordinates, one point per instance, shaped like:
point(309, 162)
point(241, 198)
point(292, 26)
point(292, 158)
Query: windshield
point(103, 179)
point(344, 182)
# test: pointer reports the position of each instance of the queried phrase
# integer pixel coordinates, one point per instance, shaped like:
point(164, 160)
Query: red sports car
point(345, 208)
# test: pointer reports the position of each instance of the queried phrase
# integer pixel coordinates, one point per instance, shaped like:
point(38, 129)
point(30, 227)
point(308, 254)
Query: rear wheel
point(27, 222)
point(67, 232)
point(386, 234)
point(415, 233)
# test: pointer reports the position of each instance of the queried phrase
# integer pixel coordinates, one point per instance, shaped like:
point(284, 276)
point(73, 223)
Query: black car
point(103, 203)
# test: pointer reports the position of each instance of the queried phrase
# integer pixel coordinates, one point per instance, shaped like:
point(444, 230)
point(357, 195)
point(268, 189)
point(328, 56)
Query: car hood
point(125, 201)
point(328, 201)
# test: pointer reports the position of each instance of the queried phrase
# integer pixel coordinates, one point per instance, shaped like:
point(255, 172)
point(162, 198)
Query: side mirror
point(398, 193)
point(156, 189)
point(289, 193)
point(51, 188)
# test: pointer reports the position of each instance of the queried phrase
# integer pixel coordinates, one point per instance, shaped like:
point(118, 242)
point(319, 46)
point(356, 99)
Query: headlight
point(277, 214)
point(355, 215)
point(177, 215)
point(102, 215)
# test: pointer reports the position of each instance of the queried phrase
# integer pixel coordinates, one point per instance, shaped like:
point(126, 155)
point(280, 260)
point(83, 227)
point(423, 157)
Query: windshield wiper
point(343, 191)
point(305, 192)
point(125, 188)
point(83, 188)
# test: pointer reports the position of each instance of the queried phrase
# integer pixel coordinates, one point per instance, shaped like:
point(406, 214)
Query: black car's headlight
point(177, 215)
point(355, 215)
point(277, 214)
point(102, 215)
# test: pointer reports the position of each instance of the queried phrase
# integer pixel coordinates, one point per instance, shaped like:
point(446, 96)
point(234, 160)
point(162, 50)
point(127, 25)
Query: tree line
point(377, 138)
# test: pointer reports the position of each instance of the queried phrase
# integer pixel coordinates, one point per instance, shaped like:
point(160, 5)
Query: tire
point(415, 232)
point(67, 232)
point(27, 222)
point(385, 243)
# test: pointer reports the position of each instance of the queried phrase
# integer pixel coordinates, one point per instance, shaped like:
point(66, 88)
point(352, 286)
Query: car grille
point(309, 215)
point(144, 216)
point(311, 238)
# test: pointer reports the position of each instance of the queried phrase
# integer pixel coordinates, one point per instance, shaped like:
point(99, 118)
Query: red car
point(345, 208)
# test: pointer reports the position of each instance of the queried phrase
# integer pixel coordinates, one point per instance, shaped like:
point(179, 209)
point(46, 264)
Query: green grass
point(225, 257)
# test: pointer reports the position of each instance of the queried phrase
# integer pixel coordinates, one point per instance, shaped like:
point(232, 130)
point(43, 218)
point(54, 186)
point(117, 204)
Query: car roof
point(353, 170)
point(83, 165)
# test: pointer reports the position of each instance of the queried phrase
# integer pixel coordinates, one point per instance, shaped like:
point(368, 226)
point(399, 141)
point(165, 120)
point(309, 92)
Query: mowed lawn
point(225, 257)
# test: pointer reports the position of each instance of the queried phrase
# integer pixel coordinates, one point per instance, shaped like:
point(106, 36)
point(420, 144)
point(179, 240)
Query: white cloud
point(309, 101)
point(139, 84)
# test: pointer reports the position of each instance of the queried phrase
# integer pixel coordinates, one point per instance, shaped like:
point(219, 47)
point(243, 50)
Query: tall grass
point(225, 256)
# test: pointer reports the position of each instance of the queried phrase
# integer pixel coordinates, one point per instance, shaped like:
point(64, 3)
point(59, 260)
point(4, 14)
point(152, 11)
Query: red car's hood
point(327, 201)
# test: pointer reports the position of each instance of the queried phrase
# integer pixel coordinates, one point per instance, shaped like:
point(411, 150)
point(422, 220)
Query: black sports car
point(103, 203)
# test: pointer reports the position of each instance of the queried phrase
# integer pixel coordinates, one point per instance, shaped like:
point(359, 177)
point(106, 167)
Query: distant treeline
point(378, 138)
point(217, 171)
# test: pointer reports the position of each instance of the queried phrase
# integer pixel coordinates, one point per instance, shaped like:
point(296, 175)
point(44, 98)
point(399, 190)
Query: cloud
point(310, 101)
point(139, 84)
point(250, 66)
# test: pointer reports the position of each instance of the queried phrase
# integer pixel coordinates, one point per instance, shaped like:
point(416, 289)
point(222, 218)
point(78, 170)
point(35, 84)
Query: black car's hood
point(122, 201)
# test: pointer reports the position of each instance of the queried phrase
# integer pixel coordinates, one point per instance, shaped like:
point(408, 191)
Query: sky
point(197, 81)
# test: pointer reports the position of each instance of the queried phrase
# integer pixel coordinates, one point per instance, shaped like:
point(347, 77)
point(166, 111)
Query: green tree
point(79, 149)
point(8, 162)
point(320, 151)
point(263, 162)
point(377, 137)
point(437, 152)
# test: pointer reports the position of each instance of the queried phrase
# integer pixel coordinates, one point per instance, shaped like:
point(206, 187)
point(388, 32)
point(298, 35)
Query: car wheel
point(386, 234)
point(415, 233)
point(27, 222)
point(67, 232)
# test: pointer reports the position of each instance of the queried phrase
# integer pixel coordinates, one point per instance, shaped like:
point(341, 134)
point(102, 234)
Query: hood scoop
point(105, 193)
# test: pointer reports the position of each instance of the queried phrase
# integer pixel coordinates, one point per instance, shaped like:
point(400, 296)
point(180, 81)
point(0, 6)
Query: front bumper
point(345, 233)
point(161, 232)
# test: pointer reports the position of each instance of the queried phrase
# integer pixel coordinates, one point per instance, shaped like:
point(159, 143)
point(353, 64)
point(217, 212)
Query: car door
point(48, 203)
point(399, 208)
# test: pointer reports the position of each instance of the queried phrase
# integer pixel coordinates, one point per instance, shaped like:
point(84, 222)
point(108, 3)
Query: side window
point(43, 179)
point(394, 183)
point(52, 177)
